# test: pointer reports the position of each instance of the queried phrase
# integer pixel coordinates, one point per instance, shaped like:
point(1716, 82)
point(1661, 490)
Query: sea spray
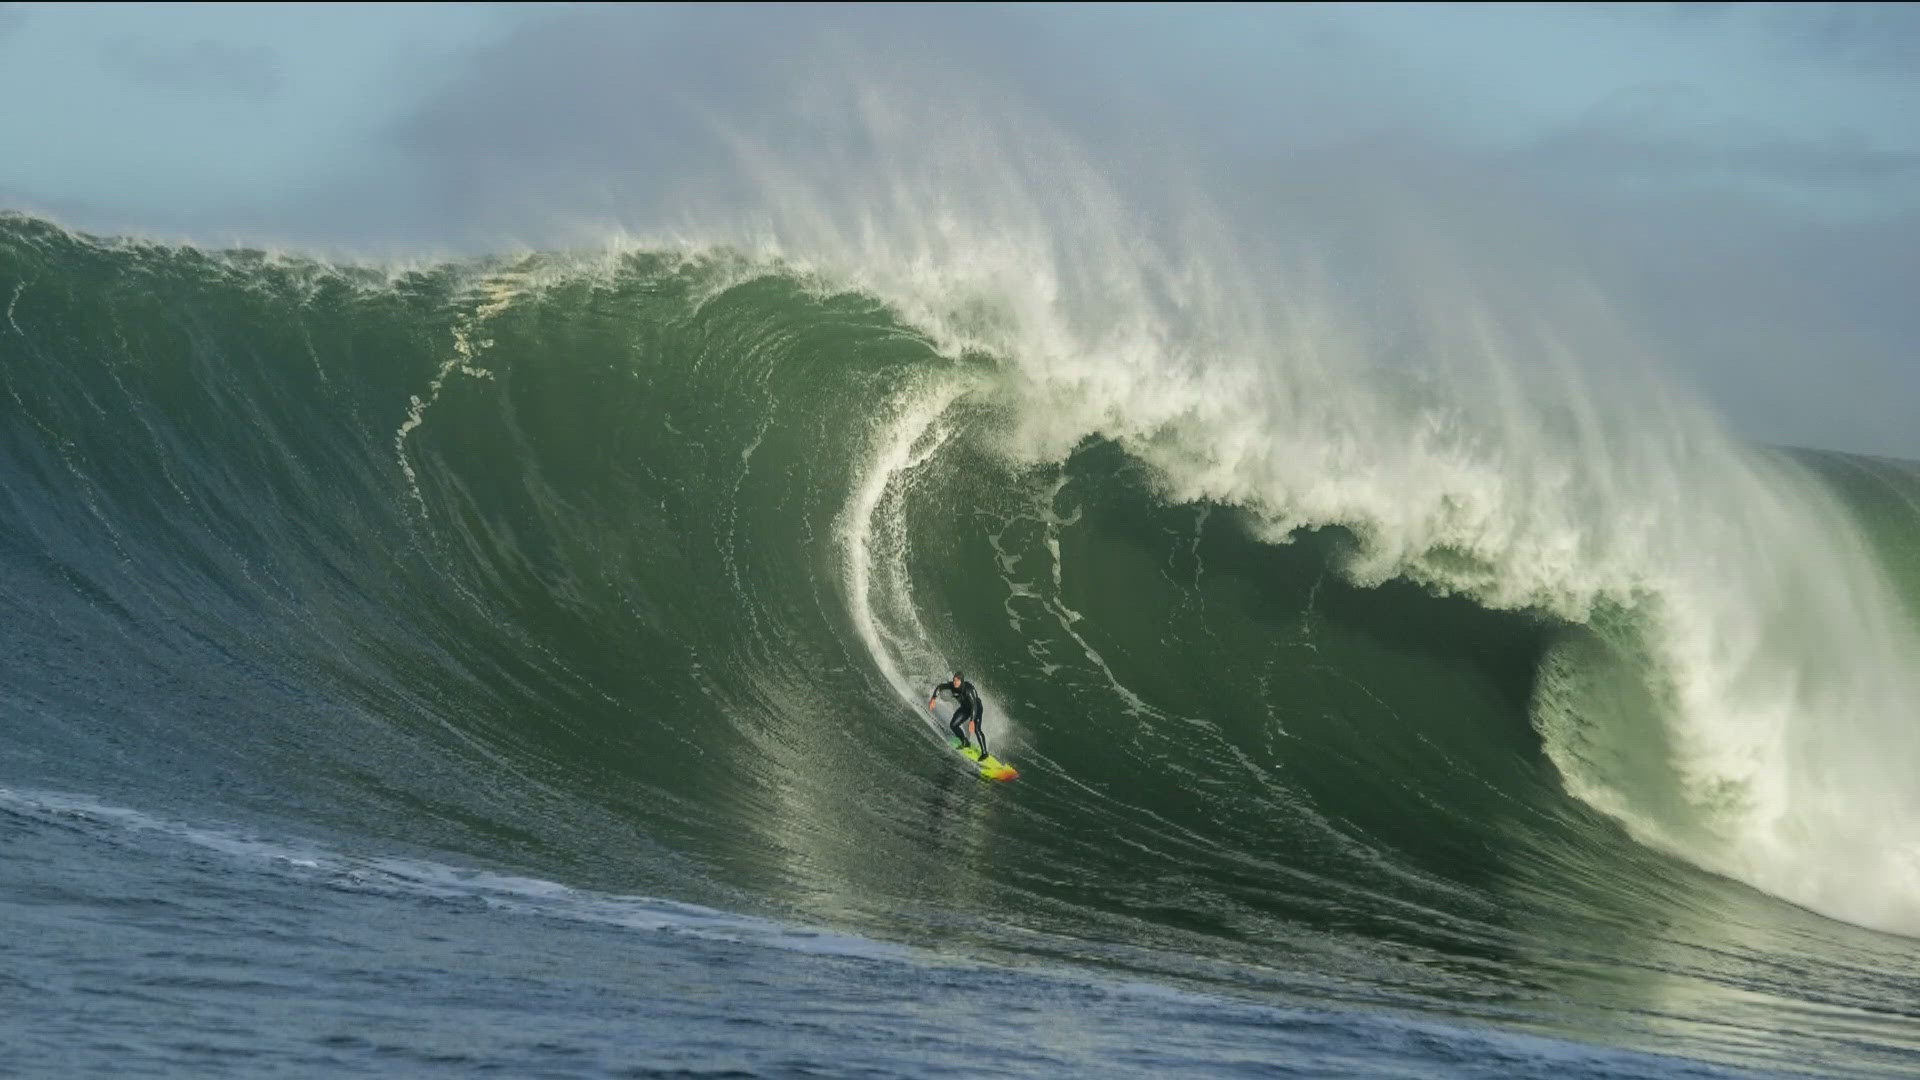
point(1528, 458)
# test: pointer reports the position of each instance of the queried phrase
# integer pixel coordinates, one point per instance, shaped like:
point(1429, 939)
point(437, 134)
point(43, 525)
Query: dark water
point(515, 666)
point(142, 946)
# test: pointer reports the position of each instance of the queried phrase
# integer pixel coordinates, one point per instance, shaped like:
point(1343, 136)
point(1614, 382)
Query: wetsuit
point(969, 708)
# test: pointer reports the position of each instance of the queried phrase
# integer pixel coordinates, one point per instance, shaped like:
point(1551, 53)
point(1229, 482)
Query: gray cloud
point(205, 66)
point(1878, 35)
point(1663, 135)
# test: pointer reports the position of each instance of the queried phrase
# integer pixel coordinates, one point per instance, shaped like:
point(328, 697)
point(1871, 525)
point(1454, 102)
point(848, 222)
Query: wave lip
point(1531, 461)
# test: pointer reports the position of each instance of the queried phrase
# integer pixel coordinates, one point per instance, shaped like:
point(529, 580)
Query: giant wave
point(631, 569)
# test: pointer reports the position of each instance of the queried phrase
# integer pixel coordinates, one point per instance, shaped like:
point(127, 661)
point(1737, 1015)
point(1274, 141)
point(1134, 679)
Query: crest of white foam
point(1518, 448)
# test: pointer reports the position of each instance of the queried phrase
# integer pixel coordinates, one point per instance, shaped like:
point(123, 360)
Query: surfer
point(968, 707)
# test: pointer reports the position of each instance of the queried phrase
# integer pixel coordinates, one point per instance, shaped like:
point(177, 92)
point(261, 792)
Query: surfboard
point(991, 768)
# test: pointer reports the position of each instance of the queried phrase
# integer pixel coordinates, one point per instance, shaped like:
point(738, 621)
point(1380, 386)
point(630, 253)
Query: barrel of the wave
point(991, 768)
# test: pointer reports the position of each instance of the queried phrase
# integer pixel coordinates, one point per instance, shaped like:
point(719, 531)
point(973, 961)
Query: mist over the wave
point(1753, 258)
point(1761, 240)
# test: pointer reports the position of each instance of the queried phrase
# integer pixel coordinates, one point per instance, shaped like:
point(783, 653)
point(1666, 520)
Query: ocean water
point(519, 665)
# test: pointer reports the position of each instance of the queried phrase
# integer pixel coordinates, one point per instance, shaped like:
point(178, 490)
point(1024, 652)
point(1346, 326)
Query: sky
point(1742, 182)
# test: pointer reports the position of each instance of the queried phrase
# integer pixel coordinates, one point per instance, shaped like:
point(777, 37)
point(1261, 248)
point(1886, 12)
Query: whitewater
point(1715, 583)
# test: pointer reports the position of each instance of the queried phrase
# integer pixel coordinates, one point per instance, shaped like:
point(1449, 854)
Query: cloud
point(1882, 36)
point(203, 66)
point(1662, 135)
point(12, 17)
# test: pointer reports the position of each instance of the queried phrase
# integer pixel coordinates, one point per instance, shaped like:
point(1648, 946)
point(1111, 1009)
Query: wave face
point(633, 572)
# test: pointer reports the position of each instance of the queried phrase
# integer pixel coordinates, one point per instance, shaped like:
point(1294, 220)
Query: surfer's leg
point(959, 725)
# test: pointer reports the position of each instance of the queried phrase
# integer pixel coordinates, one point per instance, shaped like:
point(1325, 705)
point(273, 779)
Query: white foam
point(500, 292)
point(1528, 456)
point(872, 537)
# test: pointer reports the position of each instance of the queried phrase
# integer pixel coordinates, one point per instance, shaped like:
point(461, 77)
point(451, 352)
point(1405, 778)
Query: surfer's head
point(957, 677)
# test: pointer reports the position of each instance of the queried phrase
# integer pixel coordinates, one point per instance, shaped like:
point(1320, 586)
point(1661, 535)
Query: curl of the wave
point(1522, 451)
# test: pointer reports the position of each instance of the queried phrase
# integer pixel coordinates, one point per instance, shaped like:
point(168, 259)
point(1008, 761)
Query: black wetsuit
point(969, 708)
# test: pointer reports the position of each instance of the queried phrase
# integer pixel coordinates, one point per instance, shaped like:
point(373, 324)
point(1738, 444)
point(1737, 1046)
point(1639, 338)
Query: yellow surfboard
point(992, 768)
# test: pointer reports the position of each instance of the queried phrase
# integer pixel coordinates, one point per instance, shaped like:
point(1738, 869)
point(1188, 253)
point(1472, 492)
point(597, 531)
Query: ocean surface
point(519, 665)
